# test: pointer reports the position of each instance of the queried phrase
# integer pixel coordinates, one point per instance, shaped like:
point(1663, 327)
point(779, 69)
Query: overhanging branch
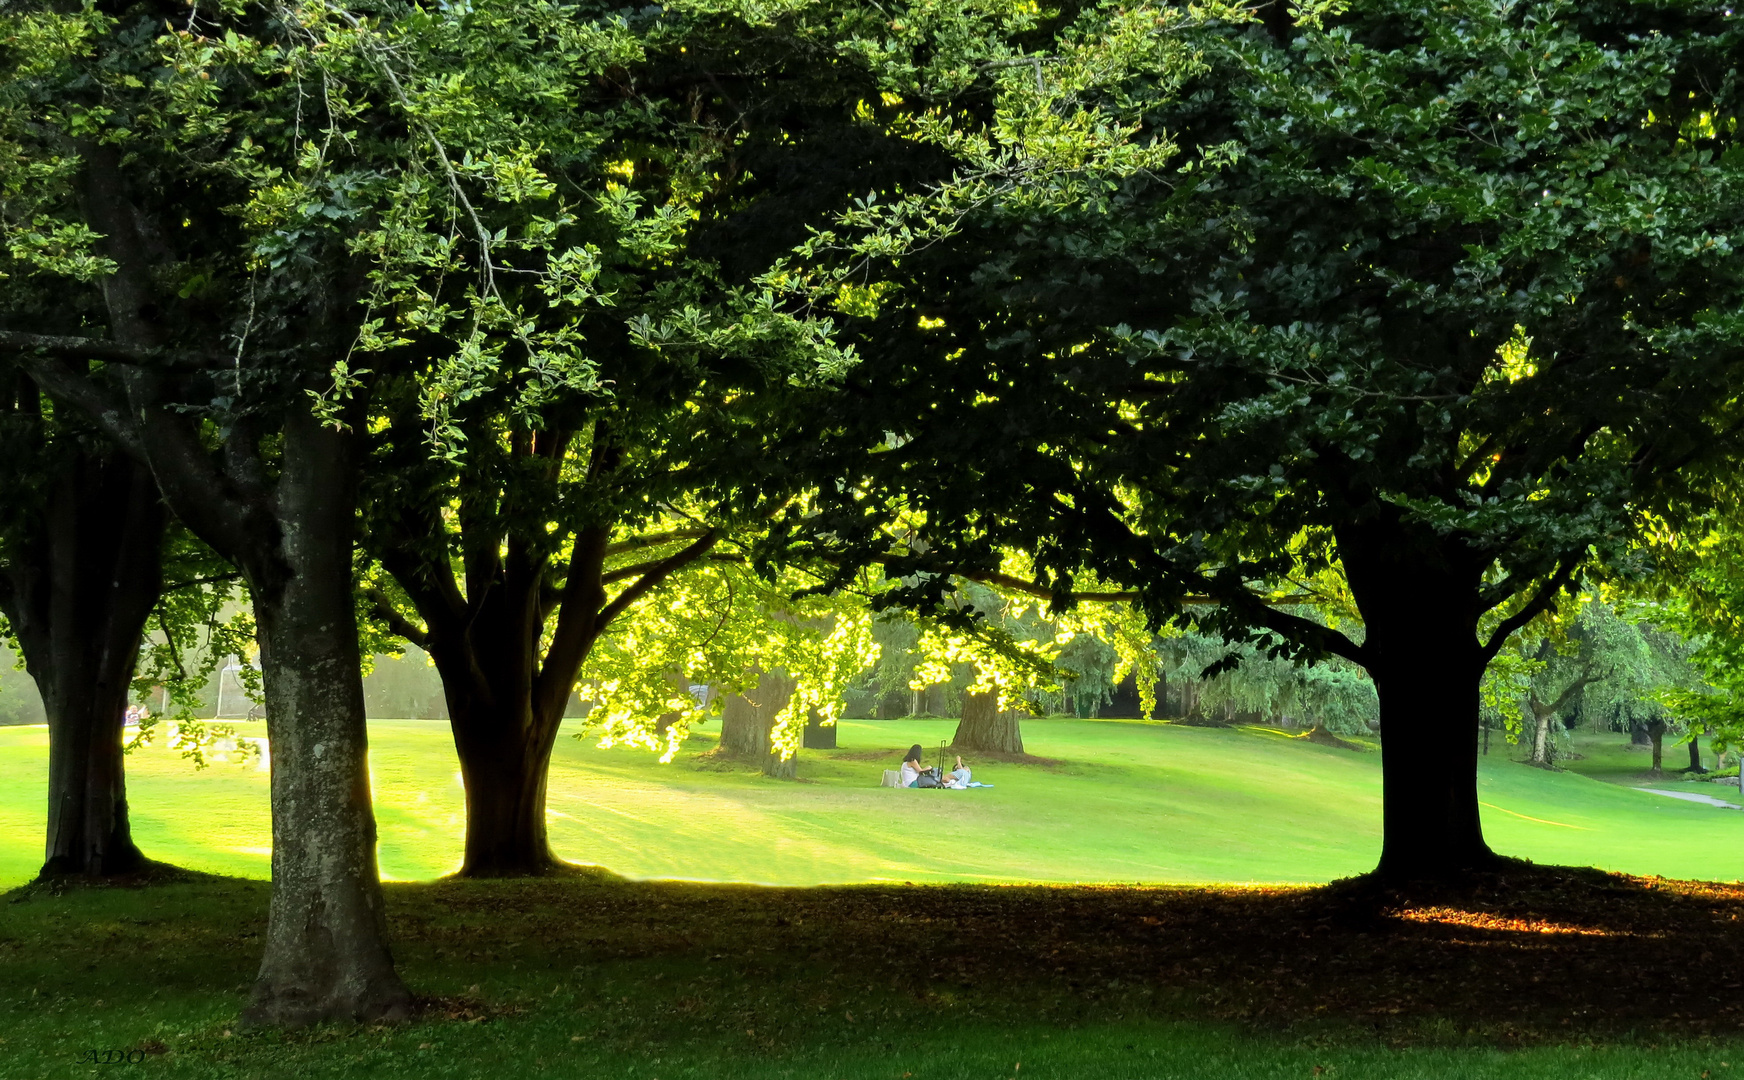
point(1540, 602)
point(66, 347)
point(382, 608)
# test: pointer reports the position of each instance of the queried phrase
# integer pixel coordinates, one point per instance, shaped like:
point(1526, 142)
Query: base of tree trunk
point(747, 723)
point(551, 867)
point(1381, 892)
point(1202, 720)
point(1442, 869)
point(145, 872)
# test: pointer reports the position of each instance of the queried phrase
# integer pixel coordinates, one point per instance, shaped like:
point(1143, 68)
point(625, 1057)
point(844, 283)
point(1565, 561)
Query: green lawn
point(659, 981)
point(672, 981)
point(1126, 801)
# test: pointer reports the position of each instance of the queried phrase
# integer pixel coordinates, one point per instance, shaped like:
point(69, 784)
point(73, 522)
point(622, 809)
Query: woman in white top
point(911, 767)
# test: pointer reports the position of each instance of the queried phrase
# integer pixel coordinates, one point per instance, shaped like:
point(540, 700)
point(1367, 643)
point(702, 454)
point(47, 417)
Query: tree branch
point(648, 540)
point(1535, 607)
point(104, 408)
point(383, 608)
point(115, 352)
point(659, 572)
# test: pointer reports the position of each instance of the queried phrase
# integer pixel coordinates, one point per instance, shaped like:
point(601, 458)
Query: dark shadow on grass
point(1517, 955)
point(1524, 955)
point(148, 873)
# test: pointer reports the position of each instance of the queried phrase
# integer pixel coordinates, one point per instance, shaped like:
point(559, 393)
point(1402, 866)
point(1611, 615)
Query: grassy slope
point(1129, 801)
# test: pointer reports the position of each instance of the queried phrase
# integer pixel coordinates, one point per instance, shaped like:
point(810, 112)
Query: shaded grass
point(594, 977)
point(1119, 801)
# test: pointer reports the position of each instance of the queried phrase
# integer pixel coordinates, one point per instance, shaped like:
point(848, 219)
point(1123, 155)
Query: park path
point(1692, 796)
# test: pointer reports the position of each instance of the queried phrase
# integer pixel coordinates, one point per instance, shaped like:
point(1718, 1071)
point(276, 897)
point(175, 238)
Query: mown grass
point(593, 978)
point(1123, 801)
point(650, 980)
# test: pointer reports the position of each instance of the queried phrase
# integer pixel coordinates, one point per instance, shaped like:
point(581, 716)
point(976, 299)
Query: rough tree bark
point(77, 590)
point(506, 692)
point(985, 726)
point(748, 719)
point(326, 949)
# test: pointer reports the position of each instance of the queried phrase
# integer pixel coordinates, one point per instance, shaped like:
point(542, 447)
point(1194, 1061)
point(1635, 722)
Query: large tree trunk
point(506, 682)
point(326, 945)
point(78, 594)
point(748, 722)
point(1656, 732)
point(504, 768)
point(985, 726)
point(1419, 597)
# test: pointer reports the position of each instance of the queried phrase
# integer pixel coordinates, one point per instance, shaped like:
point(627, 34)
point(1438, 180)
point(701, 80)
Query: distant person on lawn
point(960, 779)
point(913, 771)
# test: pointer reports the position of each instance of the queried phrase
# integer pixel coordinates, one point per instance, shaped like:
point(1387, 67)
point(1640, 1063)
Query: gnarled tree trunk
point(504, 762)
point(77, 593)
point(985, 726)
point(504, 732)
point(1542, 747)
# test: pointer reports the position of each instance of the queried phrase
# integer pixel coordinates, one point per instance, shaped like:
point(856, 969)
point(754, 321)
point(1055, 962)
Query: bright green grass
point(1128, 801)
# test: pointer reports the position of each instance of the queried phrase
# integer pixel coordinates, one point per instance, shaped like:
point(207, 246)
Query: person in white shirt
point(911, 767)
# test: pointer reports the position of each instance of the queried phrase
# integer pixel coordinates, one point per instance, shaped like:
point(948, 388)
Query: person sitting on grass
point(913, 771)
point(958, 779)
